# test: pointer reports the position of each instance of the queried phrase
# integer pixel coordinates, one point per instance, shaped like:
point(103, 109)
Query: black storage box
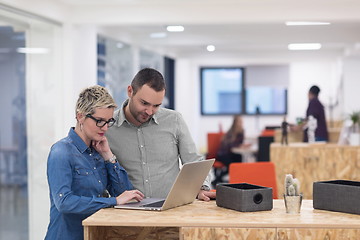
point(337, 195)
point(244, 197)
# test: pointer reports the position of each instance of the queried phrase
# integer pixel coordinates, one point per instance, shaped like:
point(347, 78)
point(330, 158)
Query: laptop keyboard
point(154, 204)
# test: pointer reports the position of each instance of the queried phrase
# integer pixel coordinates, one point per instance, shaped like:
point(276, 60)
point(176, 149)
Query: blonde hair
point(236, 127)
point(94, 97)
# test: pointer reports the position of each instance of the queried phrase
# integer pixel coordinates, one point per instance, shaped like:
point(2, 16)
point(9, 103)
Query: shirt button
point(144, 163)
point(146, 180)
point(138, 129)
point(94, 168)
point(90, 154)
point(99, 195)
point(87, 173)
point(60, 195)
point(141, 146)
point(99, 181)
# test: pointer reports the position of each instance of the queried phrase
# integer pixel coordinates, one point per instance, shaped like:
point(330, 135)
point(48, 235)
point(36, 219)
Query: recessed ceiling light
point(210, 48)
point(304, 46)
point(33, 50)
point(158, 35)
point(303, 23)
point(177, 28)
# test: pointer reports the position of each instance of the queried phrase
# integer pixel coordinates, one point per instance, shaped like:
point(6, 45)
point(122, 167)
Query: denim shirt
point(78, 176)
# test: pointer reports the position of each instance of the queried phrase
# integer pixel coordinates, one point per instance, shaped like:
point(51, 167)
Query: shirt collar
point(78, 142)
point(120, 116)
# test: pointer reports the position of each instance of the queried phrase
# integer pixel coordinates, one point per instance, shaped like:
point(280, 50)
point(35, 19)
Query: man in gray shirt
point(149, 140)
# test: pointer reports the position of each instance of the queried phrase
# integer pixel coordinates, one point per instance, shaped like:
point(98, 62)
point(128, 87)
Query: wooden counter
point(204, 220)
point(314, 162)
point(294, 137)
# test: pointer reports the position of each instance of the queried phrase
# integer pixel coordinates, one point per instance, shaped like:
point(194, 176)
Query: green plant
point(292, 186)
point(355, 117)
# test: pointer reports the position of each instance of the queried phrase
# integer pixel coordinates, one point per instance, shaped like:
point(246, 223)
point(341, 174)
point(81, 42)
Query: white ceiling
point(251, 29)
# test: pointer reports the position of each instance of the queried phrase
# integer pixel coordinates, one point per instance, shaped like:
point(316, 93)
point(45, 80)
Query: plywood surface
point(207, 214)
point(314, 162)
point(192, 233)
point(310, 233)
point(131, 233)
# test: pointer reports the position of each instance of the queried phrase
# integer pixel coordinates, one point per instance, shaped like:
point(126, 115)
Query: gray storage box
point(337, 195)
point(244, 197)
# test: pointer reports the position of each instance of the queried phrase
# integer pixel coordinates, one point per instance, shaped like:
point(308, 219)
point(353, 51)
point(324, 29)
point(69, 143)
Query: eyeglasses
point(100, 123)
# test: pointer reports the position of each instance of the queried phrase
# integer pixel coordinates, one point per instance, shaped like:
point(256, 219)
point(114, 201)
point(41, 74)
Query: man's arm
point(188, 153)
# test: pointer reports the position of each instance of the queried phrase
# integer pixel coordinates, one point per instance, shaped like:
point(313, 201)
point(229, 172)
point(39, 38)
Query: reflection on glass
point(13, 147)
point(115, 69)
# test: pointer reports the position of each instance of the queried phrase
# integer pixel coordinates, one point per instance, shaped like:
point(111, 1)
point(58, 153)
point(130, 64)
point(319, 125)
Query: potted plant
point(292, 195)
point(355, 133)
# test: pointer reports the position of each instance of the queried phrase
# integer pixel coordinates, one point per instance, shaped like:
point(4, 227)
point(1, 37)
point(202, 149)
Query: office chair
point(257, 173)
point(213, 144)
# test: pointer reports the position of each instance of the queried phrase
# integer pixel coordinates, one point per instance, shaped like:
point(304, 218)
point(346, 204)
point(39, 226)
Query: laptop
point(184, 190)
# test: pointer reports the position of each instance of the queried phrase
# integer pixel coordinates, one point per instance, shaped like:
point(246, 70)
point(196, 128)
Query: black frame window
point(222, 90)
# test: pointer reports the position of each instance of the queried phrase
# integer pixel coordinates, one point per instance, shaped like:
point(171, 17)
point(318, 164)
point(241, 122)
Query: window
point(222, 90)
point(225, 92)
point(266, 100)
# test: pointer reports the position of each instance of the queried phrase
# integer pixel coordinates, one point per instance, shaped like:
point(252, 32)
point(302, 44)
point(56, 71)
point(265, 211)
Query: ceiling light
point(302, 23)
point(158, 35)
point(33, 50)
point(304, 46)
point(175, 28)
point(210, 48)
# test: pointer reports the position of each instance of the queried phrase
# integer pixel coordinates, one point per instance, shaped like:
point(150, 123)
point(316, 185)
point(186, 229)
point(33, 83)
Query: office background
point(70, 30)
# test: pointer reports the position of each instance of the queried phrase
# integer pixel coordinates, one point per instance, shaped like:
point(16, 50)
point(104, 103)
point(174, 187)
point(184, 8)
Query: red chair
point(213, 144)
point(257, 173)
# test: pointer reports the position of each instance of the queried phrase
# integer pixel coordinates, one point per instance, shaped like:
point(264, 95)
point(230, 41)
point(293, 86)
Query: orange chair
point(257, 173)
point(268, 133)
point(213, 144)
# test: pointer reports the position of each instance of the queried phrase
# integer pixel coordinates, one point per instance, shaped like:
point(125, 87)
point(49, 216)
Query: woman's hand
point(129, 195)
point(103, 148)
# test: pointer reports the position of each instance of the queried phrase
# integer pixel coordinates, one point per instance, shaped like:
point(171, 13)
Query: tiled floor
point(14, 213)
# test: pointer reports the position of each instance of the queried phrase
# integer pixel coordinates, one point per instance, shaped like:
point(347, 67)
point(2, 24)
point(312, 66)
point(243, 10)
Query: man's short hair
point(148, 76)
point(314, 90)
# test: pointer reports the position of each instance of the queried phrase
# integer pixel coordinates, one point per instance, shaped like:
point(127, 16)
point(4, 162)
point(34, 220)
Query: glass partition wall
point(13, 139)
point(30, 82)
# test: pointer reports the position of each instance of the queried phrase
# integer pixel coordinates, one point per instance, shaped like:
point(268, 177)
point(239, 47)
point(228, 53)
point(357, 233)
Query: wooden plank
point(315, 234)
point(192, 233)
point(131, 233)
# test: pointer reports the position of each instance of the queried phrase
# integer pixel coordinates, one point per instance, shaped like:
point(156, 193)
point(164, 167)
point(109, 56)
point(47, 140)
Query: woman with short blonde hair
point(83, 174)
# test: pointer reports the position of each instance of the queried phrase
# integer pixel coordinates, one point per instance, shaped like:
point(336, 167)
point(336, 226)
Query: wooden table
point(314, 162)
point(204, 220)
